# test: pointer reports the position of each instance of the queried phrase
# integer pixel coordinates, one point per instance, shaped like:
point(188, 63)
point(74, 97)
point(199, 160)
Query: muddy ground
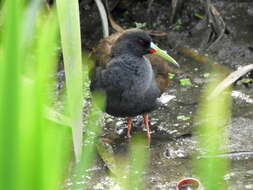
point(173, 142)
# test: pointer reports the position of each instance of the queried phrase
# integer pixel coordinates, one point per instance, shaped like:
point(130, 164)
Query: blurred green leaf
point(206, 75)
point(213, 116)
point(28, 158)
point(140, 25)
point(92, 132)
point(199, 16)
point(244, 81)
point(171, 75)
point(183, 117)
point(185, 82)
point(71, 46)
point(10, 75)
point(139, 160)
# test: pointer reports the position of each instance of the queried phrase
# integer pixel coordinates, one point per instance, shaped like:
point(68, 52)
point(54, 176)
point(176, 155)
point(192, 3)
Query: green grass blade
point(41, 156)
point(54, 158)
point(71, 46)
point(139, 162)
point(92, 132)
point(214, 116)
point(31, 153)
point(29, 22)
point(9, 92)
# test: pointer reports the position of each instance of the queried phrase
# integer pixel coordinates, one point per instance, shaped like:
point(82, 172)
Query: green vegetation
point(178, 25)
point(214, 115)
point(185, 82)
point(171, 75)
point(140, 25)
point(198, 15)
point(71, 47)
point(31, 153)
point(183, 117)
point(206, 75)
point(244, 81)
point(125, 13)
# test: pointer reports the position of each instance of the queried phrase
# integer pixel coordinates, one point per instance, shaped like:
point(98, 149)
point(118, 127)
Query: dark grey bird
point(132, 84)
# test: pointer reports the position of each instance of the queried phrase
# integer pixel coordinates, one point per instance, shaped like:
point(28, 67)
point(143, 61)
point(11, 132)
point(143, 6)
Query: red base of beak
point(151, 50)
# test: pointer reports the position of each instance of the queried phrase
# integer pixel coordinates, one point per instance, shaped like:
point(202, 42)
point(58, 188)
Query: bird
point(132, 72)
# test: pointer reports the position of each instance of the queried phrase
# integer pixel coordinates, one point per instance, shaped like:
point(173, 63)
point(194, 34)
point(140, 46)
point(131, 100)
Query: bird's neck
point(131, 59)
point(133, 64)
point(127, 48)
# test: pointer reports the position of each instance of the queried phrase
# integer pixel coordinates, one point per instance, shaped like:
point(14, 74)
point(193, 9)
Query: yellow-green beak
point(156, 50)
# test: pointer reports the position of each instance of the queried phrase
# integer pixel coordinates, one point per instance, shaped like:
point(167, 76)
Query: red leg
point(145, 117)
point(129, 127)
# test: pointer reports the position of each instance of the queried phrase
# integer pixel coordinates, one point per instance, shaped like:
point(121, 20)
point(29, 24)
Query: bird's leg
point(145, 117)
point(129, 127)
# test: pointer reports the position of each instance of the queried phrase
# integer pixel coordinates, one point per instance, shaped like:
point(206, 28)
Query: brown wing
point(102, 53)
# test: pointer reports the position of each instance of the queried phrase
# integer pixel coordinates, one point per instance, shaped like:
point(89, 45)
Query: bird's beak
point(156, 50)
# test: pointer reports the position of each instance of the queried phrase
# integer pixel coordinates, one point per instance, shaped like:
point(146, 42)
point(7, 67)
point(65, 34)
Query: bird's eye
point(143, 42)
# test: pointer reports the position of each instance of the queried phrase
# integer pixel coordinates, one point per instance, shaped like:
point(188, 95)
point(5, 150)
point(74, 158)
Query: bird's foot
point(128, 134)
point(149, 137)
point(129, 127)
point(145, 117)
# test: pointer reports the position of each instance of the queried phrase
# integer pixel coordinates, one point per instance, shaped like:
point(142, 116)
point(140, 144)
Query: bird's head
point(138, 43)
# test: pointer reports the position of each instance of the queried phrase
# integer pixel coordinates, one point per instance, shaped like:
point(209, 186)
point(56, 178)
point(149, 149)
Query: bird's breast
point(138, 95)
point(143, 75)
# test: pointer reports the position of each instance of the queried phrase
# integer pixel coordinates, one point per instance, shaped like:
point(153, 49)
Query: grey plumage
point(128, 79)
